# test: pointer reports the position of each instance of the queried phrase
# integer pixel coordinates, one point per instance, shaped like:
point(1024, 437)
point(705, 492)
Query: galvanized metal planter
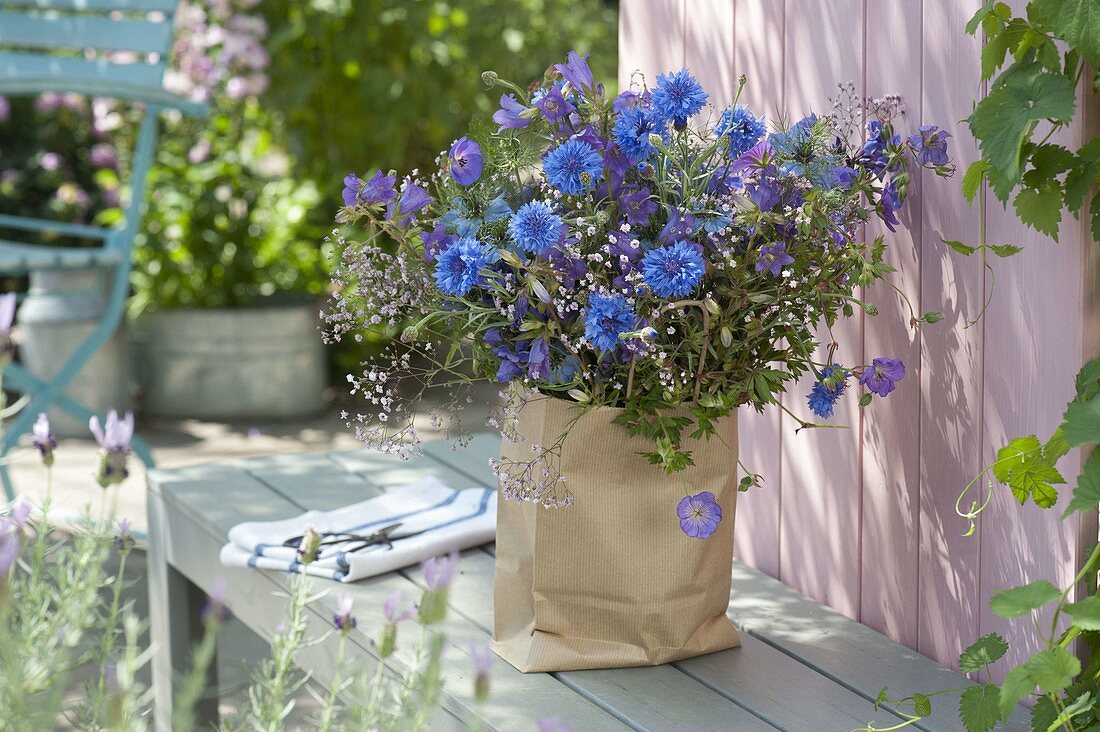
point(265, 362)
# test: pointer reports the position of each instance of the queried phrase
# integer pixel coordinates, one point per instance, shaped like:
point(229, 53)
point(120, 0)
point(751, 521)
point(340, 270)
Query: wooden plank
point(758, 53)
point(655, 697)
point(78, 32)
point(163, 6)
point(891, 429)
point(820, 518)
point(708, 52)
point(192, 545)
point(1034, 294)
point(850, 653)
point(651, 40)
point(472, 460)
point(951, 359)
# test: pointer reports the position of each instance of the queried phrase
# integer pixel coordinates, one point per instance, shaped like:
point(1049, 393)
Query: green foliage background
point(365, 84)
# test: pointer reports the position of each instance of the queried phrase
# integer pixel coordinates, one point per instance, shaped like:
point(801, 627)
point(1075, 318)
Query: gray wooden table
point(801, 667)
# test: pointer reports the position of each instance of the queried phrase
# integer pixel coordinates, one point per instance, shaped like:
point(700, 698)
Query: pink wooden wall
point(863, 519)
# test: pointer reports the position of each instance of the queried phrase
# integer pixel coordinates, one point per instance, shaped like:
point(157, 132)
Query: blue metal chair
point(70, 46)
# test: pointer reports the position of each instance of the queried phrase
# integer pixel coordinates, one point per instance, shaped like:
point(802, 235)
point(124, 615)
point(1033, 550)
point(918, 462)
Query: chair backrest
point(112, 48)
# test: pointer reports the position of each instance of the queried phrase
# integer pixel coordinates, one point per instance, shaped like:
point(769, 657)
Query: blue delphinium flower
point(883, 375)
point(466, 161)
point(352, 184)
point(458, 269)
point(930, 145)
point(606, 316)
point(632, 131)
point(678, 96)
point(876, 150)
point(379, 189)
point(827, 390)
point(573, 167)
point(413, 199)
point(773, 259)
point(510, 115)
point(535, 227)
point(743, 128)
point(842, 176)
point(699, 515)
point(889, 203)
point(674, 271)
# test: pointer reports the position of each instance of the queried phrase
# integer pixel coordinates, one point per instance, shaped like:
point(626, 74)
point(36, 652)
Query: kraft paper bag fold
point(612, 581)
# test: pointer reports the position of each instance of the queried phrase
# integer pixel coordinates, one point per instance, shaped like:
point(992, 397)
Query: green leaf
point(1014, 454)
point(1023, 467)
point(1041, 209)
point(972, 178)
point(1094, 213)
point(1047, 161)
point(993, 54)
point(922, 705)
point(1086, 495)
point(1086, 614)
point(1043, 714)
point(979, 707)
point(1022, 600)
point(1087, 381)
point(1051, 670)
point(1055, 448)
point(1079, 181)
point(1005, 250)
point(1021, 96)
point(865, 400)
point(1077, 22)
point(982, 652)
point(959, 247)
point(1082, 422)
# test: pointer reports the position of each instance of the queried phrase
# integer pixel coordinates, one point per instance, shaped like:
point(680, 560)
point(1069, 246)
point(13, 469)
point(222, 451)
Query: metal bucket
point(225, 364)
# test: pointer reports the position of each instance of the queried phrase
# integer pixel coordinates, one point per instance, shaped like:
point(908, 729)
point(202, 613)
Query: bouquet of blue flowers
point(626, 252)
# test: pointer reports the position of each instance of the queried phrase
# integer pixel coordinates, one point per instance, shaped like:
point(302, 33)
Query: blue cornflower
point(743, 128)
point(573, 167)
point(632, 131)
point(930, 145)
point(607, 315)
point(678, 96)
point(535, 227)
point(458, 269)
point(674, 271)
point(826, 390)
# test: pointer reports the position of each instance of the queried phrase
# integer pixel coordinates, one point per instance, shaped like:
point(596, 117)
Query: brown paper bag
point(612, 581)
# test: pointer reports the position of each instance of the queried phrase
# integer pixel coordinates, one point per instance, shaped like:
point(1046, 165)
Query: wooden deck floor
point(801, 667)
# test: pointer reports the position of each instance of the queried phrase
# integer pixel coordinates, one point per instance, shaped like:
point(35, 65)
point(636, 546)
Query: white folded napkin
point(433, 518)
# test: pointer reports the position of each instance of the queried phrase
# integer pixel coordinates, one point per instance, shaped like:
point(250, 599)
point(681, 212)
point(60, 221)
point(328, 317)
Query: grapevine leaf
point(1094, 212)
point(972, 178)
point(978, 707)
point(1082, 422)
point(1043, 714)
point(1086, 614)
point(1022, 600)
point(1051, 670)
point(1005, 250)
point(1022, 96)
point(1023, 467)
point(1087, 381)
point(1014, 454)
point(1086, 496)
point(982, 652)
point(1041, 208)
point(1056, 447)
point(1077, 22)
point(959, 247)
point(1079, 181)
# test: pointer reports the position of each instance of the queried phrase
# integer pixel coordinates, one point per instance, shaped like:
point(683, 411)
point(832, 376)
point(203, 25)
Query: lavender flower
point(439, 572)
point(930, 145)
point(309, 546)
point(114, 443)
point(466, 161)
point(553, 724)
point(9, 552)
point(510, 116)
point(827, 390)
point(773, 259)
point(678, 96)
point(214, 610)
point(883, 375)
point(43, 439)
point(674, 271)
point(391, 611)
point(483, 666)
point(124, 539)
point(699, 515)
point(343, 619)
point(8, 302)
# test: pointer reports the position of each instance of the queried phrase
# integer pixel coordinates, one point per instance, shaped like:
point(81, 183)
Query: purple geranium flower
point(466, 161)
point(699, 515)
point(773, 259)
point(576, 71)
point(413, 198)
point(930, 145)
point(883, 375)
point(554, 106)
point(638, 206)
point(510, 115)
